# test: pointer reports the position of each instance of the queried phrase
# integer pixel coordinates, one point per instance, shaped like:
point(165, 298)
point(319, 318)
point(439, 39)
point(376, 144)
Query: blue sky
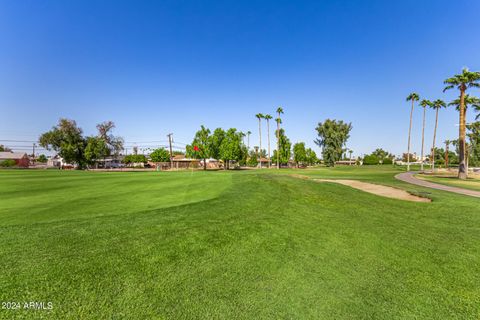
point(155, 67)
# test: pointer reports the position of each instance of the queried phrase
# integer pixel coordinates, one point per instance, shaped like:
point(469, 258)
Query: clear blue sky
point(155, 67)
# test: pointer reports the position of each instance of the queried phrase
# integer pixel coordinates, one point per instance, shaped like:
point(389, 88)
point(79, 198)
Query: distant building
point(58, 162)
point(264, 162)
point(21, 158)
point(179, 161)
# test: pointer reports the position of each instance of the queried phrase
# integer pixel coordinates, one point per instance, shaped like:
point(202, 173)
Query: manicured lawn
point(234, 245)
point(470, 183)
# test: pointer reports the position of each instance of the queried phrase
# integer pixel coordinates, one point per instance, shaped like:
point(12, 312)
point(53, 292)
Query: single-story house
point(264, 162)
point(58, 162)
point(211, 163)
point(111, 162)
point(179, 161)
point(351, 162)
point(21, 158)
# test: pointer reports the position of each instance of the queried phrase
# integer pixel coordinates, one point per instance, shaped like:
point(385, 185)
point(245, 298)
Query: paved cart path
point(410, 178)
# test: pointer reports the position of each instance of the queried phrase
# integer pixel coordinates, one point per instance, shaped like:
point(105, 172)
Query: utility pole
point(171, 153)
point(33, 153)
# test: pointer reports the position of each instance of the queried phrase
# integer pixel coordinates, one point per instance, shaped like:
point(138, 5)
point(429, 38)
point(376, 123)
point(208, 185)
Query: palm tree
point(424, 104)
point(350, 151)
point(260, 117)
point(412, 97)
point(437, 104)
point(462, 82)
point(248, 139)
point(268, 117)
point(447, 144)
point(279, 121)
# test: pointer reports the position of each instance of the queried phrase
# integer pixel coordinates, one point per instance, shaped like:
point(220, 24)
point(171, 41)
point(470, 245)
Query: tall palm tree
point(268, 117)
point(462, 82)
point(248, 139)
point(424, 104)
point(260, 117)
point(469, 101)
point(437, 104)
point(279, 121)
point(447, 144)
point(412, 97)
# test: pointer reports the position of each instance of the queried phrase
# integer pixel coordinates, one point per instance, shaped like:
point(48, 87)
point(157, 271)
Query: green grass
point(234, 245)
point(470, 183)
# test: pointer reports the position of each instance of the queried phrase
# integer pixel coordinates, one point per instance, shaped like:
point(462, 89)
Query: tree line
point(462, 82)
point(229, 146)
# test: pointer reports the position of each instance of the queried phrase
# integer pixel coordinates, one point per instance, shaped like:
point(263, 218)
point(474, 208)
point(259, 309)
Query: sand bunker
point(379, 190)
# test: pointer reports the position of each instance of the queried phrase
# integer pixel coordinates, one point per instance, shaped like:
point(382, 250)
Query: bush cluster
point(371, 160)
point(135, 158)
point(8, 163)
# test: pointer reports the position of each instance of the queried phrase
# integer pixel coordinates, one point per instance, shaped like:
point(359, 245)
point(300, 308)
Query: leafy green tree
point(134, 158)
point(215, 141)
point(382, 154)
point(160, 155)
point(299, 153)
point(66, 139)
point(42, 158)
point(462, 82)
point(244, 155)
point(379, 156)
point(332, 136)
point(371, 159)
point(285, 148)
point(200, 147)
point(412, 97)
point(252, 159)
point(438, 155)
point(474, 139)
point(231, 147)
point(96, 148)
point(114, 143)
point(311, 157)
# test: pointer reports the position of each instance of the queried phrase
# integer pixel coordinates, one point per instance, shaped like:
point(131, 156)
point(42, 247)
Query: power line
point(29, 141)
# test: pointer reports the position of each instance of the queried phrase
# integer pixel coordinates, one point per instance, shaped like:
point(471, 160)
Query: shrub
point(370, 160)
point(8, 163)
point(387, 161)
point(252, 161)
point(135, 158)
point(160, 155)
point(42, 158)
